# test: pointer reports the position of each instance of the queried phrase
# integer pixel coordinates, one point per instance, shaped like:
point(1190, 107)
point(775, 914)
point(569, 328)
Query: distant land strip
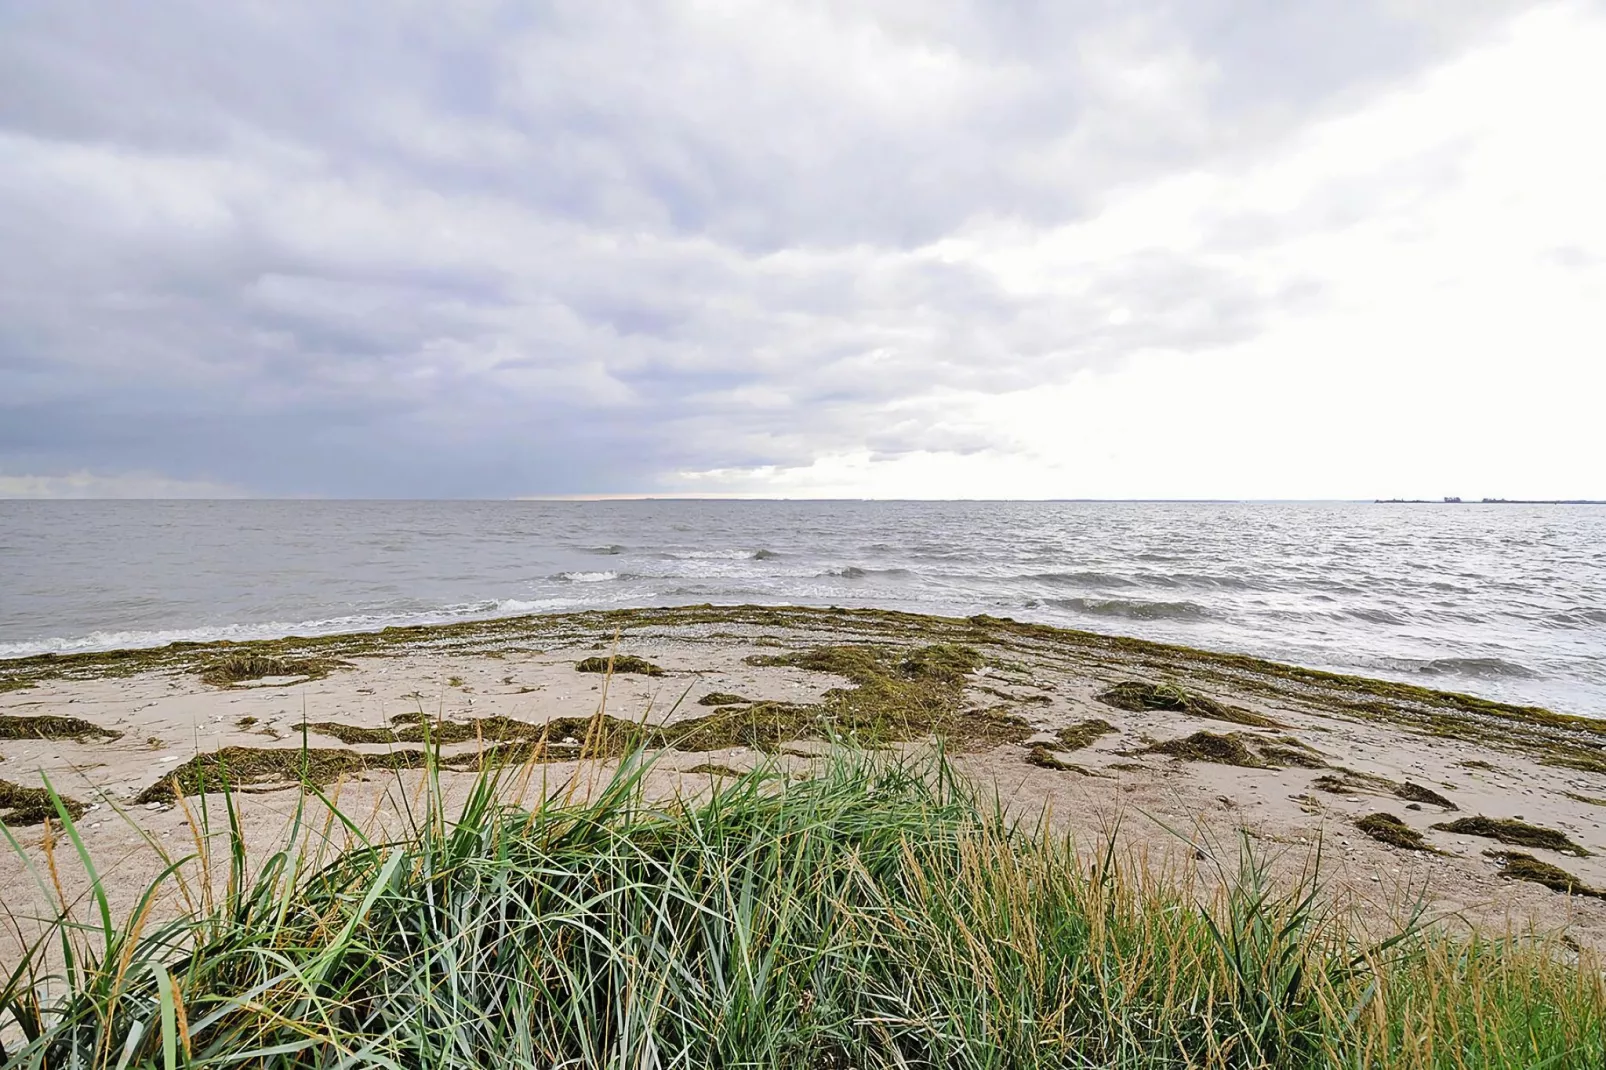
point(1489, 501)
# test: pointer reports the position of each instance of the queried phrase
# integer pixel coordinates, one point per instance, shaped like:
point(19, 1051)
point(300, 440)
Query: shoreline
point(1232, 744)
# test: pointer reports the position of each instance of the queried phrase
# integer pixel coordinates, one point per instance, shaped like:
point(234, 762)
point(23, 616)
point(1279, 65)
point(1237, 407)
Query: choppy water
point(1503, 601)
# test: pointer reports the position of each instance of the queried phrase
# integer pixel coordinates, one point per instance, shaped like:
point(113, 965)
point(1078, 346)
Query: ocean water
point(1503, 601)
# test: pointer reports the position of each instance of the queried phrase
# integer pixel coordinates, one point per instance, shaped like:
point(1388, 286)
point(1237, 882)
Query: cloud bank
point(1159, 248)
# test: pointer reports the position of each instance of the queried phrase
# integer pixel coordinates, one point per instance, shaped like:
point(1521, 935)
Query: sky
point(867, 248)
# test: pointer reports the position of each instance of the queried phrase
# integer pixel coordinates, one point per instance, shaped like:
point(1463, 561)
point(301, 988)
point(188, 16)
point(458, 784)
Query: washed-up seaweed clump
point(1516, 833)
point(1417, 793)
point(52, 726)
point(1386, 828)
point(1287, 750)
point(237, 668)
point(620, 664)
point(1083, 734)
point(1044, 758)
point(31, 806)
point(1138, 697)
point(1517, 866)
point(723, 698)
point(1209, 747)
point(1352, 782)
point(245, 768)
point(711, 769)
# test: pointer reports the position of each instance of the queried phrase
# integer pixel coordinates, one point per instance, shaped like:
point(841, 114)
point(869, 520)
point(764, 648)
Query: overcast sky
point(914, 248)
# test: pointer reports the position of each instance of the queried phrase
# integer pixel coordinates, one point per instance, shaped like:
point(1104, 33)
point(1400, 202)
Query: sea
point(1502, 601)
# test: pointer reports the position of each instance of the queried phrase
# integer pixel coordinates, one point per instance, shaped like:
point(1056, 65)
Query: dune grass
point(876, 914)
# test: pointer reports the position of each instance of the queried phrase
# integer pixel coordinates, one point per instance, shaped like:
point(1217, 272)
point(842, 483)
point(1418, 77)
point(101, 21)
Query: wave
point(611, 550)
point(1081, 579)
point(1575, 618)
point(1132, 609)
point(764, 555)
point(854, 572)
point(241, 633)
point(1375, 616)
point(587, 577)
point(1479, 667)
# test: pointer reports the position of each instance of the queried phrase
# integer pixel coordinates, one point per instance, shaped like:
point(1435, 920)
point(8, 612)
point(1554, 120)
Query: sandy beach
point(1179, 752)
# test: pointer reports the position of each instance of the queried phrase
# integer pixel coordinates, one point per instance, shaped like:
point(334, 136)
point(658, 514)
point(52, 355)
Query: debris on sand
point(620, 664)
point(1386, 828)
point(1138, 697)
point(1517, 866)
point(1516, 833)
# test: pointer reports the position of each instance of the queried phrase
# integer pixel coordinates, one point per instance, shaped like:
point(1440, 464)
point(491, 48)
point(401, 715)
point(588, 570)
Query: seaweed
point(32, 806)
point(723, 698)
point(53, 726)
point(1138, 697)
point(1417, 793)
point(236, 668)
point(1517, 833)
point(258, 767)
point(1209, 747)
point(1287, 750)
point(1386, 828)
point(1044, 758)
point(1514, 865)
point(1083, 733)
point(618, 664)
point(711, 769)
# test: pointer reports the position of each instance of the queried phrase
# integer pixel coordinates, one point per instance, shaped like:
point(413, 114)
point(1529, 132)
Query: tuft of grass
point(1139, 697)
point(1083, 734)
point(53, 726)
point(1516, 833)
point(1386, 828)
point(879, 914)
point(620, 663)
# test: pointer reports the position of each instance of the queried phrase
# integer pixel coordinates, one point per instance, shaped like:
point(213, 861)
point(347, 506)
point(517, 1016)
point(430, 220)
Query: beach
point(1183, 756)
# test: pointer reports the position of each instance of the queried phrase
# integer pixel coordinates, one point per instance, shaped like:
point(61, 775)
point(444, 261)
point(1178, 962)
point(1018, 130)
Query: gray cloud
point(487, 249)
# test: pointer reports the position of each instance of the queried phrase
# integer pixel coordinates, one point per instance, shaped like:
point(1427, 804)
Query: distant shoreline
point(1489, 501)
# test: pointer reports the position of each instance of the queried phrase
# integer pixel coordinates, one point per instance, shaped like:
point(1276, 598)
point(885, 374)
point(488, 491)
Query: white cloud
point(124, 485)
point(1450, 242)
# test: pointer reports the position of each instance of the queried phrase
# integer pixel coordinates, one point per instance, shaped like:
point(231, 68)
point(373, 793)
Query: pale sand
point(526, 670)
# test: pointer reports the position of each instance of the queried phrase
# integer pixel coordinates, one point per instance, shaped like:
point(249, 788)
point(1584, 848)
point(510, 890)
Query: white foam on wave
point(588, 577)
point(357, 622)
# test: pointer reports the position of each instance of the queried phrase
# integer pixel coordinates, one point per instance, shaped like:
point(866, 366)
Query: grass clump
point(620, 663)
point(876, 915)
point(1138, 697)
point(1083, 734)
point(1516, 833)
point(30, 806)
point(1386, 828)
point(1517, 866)
point(53, 726)
point(1044, 758)
point(237, 668)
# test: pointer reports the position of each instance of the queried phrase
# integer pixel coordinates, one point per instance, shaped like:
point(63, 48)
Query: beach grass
point(879, 912)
